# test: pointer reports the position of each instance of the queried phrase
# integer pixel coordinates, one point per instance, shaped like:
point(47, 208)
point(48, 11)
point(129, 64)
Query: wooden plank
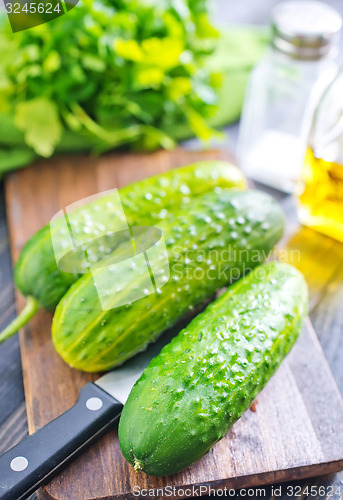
point(295, 429)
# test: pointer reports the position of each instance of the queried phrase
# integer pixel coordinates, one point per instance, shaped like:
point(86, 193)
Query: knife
point(29, 464)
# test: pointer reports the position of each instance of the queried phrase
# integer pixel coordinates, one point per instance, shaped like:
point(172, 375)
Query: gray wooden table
point(327, 316)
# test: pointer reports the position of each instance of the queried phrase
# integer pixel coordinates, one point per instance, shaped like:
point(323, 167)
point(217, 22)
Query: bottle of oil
point(320, 193)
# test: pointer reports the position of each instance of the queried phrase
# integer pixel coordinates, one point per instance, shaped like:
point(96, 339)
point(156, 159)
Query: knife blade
point(119, 382)
point(30, 463)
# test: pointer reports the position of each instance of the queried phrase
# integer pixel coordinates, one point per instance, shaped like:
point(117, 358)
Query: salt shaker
point(284, 89)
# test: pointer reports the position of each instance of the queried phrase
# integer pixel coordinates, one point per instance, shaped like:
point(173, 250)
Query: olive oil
point(321, 195)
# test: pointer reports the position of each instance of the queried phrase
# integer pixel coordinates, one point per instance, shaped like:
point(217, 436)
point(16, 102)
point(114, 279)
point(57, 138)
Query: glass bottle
point(283, 89)
point(320, 192)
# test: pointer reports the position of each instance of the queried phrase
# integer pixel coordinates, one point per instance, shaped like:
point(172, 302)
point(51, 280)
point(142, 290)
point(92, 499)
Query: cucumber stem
point(32, 306)
point(137, 464)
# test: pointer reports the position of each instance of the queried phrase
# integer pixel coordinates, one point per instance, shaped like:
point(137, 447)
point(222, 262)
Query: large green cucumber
point(203, 381)
point(36, 273)
point(218, 239)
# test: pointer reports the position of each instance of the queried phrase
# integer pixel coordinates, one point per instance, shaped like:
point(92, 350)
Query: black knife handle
point(31, 462)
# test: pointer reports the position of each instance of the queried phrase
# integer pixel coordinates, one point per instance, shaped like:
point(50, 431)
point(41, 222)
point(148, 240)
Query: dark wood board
point(296, 428)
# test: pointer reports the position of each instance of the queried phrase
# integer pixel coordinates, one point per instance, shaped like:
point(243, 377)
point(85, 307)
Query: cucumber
point(221, 236)
point(202, 382)
point(36, 273)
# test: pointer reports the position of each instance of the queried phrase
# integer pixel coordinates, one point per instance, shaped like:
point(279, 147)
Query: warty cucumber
point(202, 382)
point(145, 202)
point(221, 236)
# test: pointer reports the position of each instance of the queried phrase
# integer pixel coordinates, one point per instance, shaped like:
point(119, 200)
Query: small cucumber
point(203, 381)
point(36, 273)
point(220, 237)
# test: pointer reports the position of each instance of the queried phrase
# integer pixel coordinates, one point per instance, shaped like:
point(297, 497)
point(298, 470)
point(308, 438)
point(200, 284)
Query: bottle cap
point(305, 29)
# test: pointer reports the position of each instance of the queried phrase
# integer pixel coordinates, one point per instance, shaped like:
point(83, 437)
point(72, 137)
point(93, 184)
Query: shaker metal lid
point(305, 29)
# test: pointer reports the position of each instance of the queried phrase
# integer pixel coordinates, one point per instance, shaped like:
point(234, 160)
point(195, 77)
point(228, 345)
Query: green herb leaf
point(39, 120)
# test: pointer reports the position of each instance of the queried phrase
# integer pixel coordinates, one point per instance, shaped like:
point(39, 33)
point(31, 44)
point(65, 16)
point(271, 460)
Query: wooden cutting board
point(295, 428)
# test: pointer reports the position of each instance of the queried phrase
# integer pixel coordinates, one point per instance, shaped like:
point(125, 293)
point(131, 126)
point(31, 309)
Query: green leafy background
point(132, 74)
